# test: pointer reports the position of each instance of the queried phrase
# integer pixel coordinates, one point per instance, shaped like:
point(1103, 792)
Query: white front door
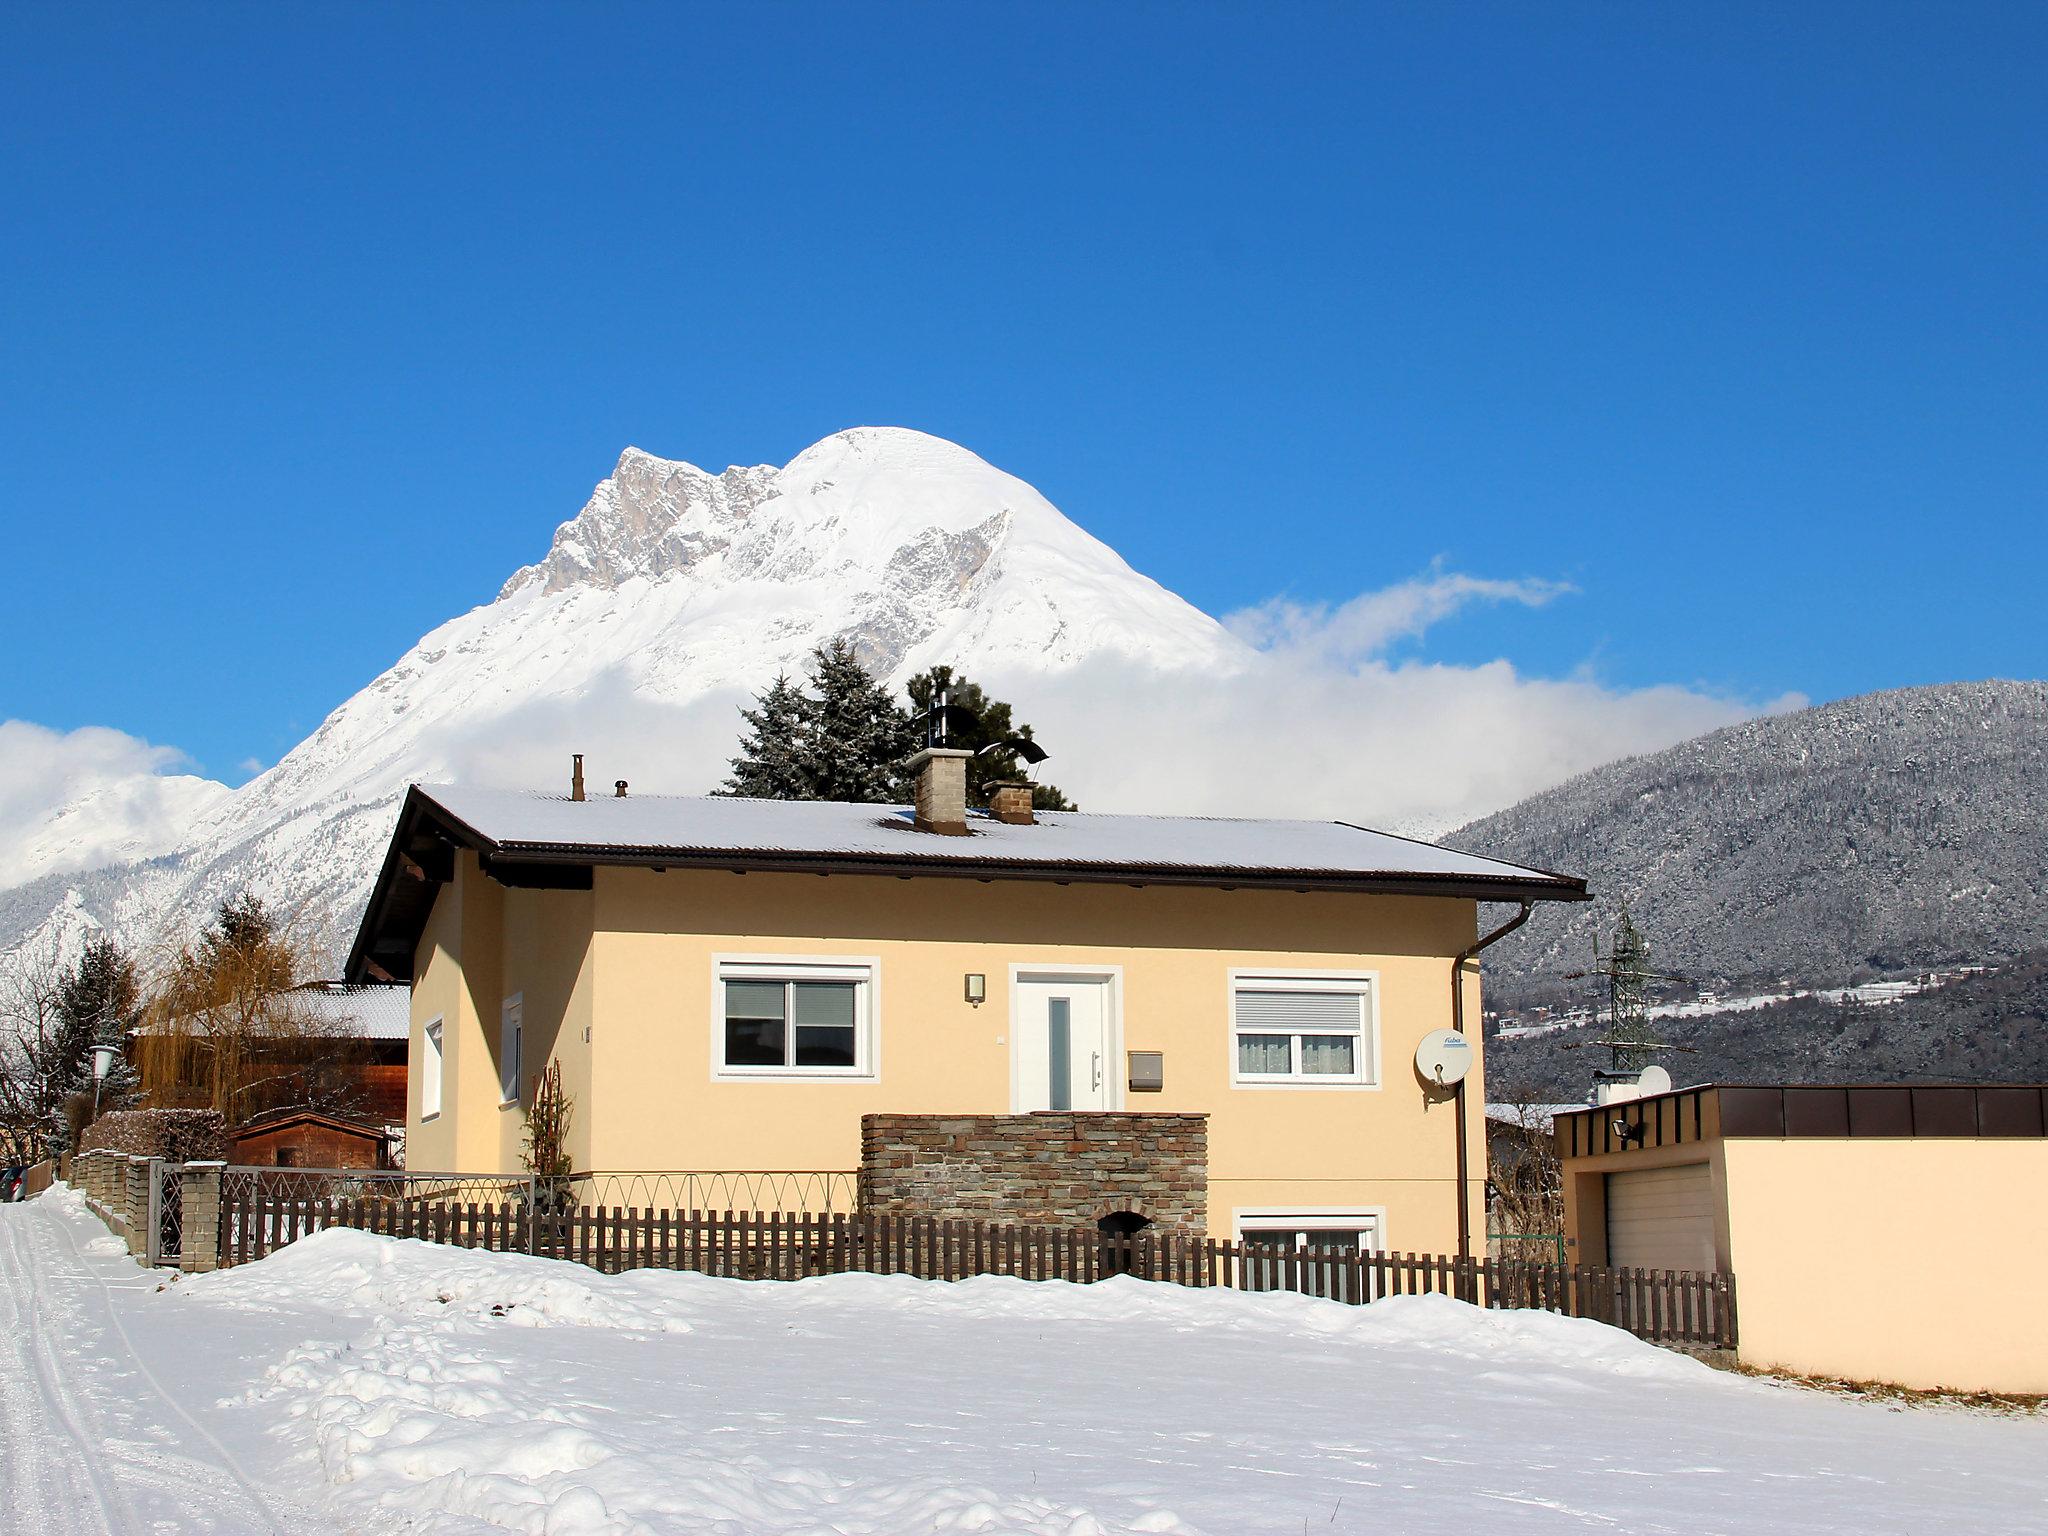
point(1063, 1043)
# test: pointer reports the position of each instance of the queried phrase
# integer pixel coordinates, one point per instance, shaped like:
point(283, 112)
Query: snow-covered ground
point(363, 1384)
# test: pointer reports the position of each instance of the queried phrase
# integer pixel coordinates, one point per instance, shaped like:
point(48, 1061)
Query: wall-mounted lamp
point(977, 988)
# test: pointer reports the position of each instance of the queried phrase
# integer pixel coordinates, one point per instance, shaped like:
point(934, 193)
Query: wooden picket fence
point(1671, 1307)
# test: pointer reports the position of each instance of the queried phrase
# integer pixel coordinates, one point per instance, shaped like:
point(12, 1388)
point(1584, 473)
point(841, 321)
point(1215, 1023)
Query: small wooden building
point(307, 1138)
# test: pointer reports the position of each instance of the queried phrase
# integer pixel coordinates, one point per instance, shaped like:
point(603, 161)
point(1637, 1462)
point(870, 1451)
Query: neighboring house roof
point(346, 1009)
point(1530, 1117)
point(364, 1010)
point(550, 840)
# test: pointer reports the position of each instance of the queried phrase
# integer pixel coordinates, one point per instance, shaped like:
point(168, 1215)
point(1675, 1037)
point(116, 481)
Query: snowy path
point(373, 1386)
point(94, 1442)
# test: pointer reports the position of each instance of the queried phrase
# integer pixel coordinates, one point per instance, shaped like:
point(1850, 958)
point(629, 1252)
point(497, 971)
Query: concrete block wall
point(135, 1203)
point(199, 1217)
point(1055, 1168)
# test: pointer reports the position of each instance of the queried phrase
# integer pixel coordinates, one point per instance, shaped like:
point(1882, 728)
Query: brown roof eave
point(418, 807)
point(786, 861)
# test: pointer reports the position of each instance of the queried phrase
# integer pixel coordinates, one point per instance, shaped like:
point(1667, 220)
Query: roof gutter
point(1458, 1023)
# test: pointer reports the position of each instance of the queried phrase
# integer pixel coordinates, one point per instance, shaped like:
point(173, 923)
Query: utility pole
point(1627, 1033)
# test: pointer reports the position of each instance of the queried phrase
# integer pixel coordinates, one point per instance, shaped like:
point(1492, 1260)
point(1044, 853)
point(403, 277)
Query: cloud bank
point(75, 800)
point(1323, 724)
point(1319, 722)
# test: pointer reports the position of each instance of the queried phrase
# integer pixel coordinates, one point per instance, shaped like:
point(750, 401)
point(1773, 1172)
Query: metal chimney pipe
point(619, 788)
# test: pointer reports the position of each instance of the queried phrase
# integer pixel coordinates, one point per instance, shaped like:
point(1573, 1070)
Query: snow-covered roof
point(1531, 1117)
point(352, 1010)
point(368, 1012)
point(529, 838)
point(517, 822)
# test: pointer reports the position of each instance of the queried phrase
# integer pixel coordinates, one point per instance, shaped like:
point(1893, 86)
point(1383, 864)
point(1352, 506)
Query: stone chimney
point(941, 790)
point(1009, 801)
point(575, 775)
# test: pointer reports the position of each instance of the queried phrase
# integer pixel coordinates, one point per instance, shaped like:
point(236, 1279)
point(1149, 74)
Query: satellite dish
point(1652, 1080)
point(1443, 1058)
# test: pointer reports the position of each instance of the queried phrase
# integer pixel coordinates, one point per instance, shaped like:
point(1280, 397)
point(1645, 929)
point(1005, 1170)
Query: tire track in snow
point(266, 1516)
point(35, 1450)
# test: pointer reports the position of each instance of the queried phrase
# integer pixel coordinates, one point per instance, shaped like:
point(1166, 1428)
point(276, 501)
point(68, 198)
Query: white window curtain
point(1302, 1031)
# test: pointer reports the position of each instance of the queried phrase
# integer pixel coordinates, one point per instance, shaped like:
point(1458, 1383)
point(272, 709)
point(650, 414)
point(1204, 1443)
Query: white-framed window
point(1324, 1237)
point(511, 1025)
point(1349, 1231)
point(794, 1018)
point(1295, 1029)
point(430, 1070)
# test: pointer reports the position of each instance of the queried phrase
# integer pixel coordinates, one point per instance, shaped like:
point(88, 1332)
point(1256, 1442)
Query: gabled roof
point(271, 1121)
point(527, 838)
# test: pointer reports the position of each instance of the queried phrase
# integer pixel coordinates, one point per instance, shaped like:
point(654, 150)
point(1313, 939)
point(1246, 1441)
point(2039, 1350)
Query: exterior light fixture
point(102, 1063)
point(977, 988)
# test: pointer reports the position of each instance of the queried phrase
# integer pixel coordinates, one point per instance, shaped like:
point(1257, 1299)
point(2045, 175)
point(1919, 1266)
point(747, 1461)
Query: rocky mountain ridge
point(668, 599)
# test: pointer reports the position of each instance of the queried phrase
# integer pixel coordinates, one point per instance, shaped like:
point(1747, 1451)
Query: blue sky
point(316, 321)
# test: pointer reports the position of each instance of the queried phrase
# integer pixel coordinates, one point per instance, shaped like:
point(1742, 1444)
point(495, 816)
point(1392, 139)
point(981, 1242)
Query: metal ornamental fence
point(262, 1209)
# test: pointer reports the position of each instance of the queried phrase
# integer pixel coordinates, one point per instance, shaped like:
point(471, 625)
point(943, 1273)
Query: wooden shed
point(306, 1138)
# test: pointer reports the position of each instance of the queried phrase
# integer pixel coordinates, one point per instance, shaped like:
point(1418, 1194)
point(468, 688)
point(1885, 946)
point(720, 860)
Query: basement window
point(1322, 1240)
point(1303, 1031)
point(794, 1019)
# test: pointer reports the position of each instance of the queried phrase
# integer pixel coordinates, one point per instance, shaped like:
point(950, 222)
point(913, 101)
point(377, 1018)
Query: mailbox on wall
point(1148, 1071)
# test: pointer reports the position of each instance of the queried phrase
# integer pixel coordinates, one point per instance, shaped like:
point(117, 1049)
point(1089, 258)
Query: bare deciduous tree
point(31, 1086)
point(231, 1028)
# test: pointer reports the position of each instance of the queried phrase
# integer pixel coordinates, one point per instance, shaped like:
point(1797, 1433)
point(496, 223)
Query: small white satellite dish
point(1652, 1080)
point(1443, 1058)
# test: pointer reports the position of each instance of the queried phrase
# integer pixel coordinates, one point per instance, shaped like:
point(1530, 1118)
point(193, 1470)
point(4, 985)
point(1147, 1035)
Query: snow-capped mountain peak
point(672, 595)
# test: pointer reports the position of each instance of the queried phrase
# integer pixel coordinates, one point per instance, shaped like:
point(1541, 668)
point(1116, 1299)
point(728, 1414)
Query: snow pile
point(613, 1428)
point(1437, 1324)
point(404, 1277)
point(392, 1389)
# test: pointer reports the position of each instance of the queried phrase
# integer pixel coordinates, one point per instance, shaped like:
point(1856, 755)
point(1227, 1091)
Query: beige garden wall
point(1917, 1261)
point(636, 966)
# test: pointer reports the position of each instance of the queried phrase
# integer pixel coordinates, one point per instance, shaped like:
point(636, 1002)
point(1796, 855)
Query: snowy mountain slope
point(672, 595)
point(1875, 836)
point(111, 820)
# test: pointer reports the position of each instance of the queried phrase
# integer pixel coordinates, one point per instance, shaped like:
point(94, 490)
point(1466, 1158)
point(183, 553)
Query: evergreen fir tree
point(857, 736)
point(99, 1001)
point(769, 765)
point(992, 722)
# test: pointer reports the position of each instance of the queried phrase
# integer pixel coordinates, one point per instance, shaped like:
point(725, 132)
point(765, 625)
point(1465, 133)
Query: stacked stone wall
point(1053, 1168)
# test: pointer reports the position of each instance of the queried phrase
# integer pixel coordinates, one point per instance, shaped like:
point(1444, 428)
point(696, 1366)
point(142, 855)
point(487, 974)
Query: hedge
point(176, 1135)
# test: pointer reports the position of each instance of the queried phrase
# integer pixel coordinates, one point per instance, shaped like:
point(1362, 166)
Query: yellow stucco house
point(733, 984)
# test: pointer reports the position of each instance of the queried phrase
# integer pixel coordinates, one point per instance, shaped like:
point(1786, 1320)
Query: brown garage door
point(1661, 1218)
